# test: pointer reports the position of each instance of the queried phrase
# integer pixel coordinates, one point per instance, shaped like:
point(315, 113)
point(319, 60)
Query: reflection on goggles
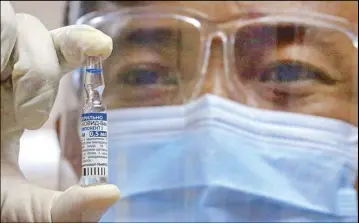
point(281, 65)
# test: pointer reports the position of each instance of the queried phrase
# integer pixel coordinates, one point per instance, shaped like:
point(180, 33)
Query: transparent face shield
point(300, 63)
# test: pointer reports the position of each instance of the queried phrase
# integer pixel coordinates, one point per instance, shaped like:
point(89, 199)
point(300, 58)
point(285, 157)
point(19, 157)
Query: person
point(32, 63)
point(229, 111)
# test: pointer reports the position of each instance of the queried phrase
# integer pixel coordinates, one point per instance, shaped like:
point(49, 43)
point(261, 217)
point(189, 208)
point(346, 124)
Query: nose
point(215, 67)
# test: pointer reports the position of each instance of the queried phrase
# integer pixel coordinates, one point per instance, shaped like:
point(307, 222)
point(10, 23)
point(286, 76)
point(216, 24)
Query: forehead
point(222, 10)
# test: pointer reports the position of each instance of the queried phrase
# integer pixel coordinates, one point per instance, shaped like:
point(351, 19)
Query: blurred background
point(42, 162)
point(49, 12)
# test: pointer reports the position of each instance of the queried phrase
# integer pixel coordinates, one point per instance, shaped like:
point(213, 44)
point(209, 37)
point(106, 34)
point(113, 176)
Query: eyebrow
point(271, 34)
point(149, 36)
point(256, 37)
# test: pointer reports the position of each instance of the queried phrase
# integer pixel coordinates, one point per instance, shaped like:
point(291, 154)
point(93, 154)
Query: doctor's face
point(242, 51)
point(302, 65)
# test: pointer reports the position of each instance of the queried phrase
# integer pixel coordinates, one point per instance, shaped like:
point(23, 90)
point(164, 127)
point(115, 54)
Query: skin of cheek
point(320, 105)
point(334, 101)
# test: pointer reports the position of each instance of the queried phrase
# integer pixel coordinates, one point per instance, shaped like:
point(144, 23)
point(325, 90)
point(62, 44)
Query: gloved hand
point(32, 63)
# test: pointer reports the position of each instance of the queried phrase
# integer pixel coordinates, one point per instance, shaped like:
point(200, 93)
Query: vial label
point(94, 144)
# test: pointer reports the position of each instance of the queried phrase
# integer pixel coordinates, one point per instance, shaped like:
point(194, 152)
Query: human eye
point(147, 75)
point(286, 82)
point(294, 71)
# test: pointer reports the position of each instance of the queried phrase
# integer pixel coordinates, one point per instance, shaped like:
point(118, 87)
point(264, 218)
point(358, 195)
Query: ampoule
point(94, 126)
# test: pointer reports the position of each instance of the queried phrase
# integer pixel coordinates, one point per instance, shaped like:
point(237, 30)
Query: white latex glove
point(32, 63)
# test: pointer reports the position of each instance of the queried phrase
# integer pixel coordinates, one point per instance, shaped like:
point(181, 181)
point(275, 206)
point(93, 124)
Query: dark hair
point(85, 7)
point(65, 21)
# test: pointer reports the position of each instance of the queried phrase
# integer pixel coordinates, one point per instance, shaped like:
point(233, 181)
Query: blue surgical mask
point(214, 160)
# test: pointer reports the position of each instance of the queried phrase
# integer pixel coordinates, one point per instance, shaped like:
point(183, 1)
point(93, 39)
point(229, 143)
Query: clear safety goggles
point(288, 61)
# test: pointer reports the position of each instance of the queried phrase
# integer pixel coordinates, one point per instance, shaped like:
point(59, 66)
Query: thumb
point(84, 204)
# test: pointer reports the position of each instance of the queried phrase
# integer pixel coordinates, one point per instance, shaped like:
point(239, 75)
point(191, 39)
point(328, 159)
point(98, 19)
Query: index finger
point(43, 57)
point(75, 42)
